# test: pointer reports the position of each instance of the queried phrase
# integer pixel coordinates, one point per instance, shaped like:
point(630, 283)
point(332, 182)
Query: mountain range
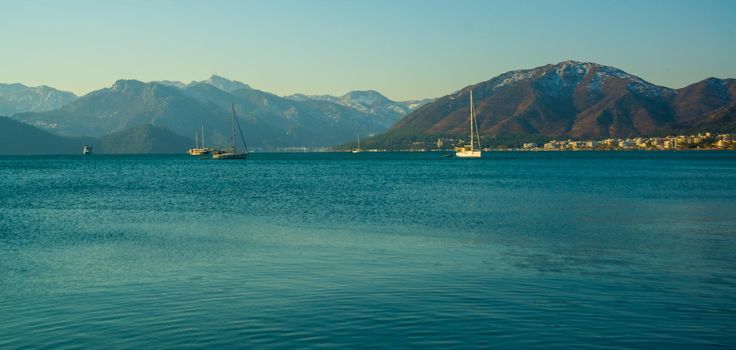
point(579, 100)
point(215, 80)
point(17, 98)
point(269, 121)
point(370, 102)
point(565, 100)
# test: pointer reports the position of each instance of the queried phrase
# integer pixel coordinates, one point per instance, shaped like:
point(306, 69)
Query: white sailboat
point(357, 149)
point(233, 153)
point(469, 151)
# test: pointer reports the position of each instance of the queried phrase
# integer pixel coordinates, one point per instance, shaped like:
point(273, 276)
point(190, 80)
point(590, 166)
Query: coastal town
point(702, 141)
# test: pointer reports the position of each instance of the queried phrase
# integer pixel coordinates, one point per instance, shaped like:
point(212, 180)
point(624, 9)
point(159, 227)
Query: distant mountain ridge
point(569, 100)
point(215, 80)
point(18, 98)
point(269, 121)
point(22, 139)
point(370, 102)
point(143, 139)
point(18, 138)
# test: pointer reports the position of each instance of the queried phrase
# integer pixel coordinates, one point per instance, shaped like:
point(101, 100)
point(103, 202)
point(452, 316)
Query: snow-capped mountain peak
point(565, 75)
point(224, 84)
point(17, 98)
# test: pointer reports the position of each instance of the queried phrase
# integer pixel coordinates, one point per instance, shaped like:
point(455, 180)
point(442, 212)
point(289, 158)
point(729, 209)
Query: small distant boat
point(199, 151)
point(357, 149)
point(469, 151)
point(87, 149)
point(233, 153)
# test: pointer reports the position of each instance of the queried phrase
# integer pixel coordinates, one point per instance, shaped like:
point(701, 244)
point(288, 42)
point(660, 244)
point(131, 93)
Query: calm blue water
point(548, 250)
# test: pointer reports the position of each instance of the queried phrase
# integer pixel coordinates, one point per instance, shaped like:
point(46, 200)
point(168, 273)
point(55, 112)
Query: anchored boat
point(233, 153)
point(357, 149)
point(469, 151)
point(199, 151)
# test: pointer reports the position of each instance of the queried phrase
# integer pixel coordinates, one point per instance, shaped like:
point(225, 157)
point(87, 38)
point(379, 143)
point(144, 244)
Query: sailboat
point(469, 151)
point(87, 150)
point(357, 149)
point(233, 153)
point(199, 151)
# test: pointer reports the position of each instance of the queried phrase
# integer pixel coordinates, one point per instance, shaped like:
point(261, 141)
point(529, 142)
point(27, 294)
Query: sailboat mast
point(196, 139)
point(471, 122)
point(358, 140)
point(233, 125)
point(202, 136)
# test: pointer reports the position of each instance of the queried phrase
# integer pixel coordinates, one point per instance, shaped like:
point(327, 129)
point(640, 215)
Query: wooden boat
point(199, 151)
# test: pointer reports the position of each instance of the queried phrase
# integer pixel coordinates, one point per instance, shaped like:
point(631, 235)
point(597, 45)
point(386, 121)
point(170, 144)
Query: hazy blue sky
point(405, 49)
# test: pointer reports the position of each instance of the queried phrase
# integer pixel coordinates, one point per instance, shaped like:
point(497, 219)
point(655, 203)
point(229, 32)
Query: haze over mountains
point(20, 138)
point(269, 121)
point(23, 139)
point(569, 100)
point(370, 102)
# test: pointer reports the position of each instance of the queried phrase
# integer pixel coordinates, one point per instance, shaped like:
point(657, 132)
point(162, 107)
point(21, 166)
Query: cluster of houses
point(699, 141)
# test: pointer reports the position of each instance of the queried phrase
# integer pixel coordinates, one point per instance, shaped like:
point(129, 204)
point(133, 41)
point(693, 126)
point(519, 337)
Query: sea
point(554, 250)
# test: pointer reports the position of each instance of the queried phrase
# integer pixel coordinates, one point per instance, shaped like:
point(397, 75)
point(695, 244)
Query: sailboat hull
point(468, 154)
point(198, 151)
point(229, 155)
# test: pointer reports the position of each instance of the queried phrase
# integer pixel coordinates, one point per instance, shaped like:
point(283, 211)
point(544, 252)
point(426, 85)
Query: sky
point(404, 49)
